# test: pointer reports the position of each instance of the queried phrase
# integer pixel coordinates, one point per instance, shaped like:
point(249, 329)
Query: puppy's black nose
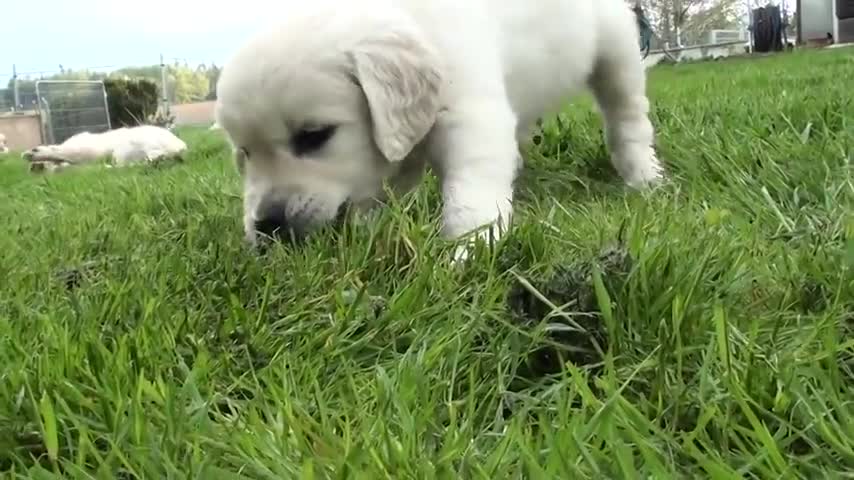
point(273, 222)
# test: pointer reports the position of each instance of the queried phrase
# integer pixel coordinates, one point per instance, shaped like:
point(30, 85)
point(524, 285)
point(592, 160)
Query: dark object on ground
point(72, 278)
point(767, 29)
point(571, 287)
point(168, 160)
point(48, 166)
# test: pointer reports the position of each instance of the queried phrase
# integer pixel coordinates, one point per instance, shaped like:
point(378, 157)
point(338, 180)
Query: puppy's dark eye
point(309, 140)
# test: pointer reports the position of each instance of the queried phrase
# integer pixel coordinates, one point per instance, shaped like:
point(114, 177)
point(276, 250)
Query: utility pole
point(15, 94)
point(164, 99)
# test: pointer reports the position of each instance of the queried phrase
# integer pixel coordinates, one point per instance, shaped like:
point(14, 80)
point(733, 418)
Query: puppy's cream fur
point(125, 146)
point(3, 147)
point(452, 84)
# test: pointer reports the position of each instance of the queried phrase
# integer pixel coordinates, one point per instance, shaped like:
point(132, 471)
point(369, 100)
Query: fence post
point(15, 94)
point(106, 106)
point(750, 44)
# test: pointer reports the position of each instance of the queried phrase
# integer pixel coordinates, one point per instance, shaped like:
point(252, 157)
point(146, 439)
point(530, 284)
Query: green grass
point(716, 337)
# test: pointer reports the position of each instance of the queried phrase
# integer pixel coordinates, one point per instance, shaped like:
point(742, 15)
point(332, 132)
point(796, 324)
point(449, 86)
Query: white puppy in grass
point(3, 147)
point(122, 147)
point(344, 95)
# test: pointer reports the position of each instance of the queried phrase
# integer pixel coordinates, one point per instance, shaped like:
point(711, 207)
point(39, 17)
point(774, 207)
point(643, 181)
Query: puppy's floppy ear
point(401, 77)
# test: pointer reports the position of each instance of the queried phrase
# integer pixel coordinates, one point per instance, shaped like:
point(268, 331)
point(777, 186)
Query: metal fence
point(27, 100)
point(69, 107)
point(695, 38)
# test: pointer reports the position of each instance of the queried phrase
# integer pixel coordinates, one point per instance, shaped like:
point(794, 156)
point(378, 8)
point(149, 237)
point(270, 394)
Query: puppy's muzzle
point(274, 222)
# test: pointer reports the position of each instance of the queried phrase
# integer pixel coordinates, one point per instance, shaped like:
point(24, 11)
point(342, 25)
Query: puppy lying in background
point(123, 147)
point(3, 147)
point(345, 95)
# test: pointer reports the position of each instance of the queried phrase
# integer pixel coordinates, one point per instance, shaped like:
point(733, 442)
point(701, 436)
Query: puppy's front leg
point(477, 164)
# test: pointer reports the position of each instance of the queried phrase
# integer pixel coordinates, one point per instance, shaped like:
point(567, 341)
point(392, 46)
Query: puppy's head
point(46, 154)
point(40, 153)
point(323, 111)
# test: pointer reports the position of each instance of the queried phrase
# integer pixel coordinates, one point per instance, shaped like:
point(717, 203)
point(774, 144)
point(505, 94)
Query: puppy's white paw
point(645, 179)
point(483, 238)
point(461, 254)
point(642, 169)
point(483, 221)
point(366, 217)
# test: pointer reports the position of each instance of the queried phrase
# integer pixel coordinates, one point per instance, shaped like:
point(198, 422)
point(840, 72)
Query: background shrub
point(131, 102)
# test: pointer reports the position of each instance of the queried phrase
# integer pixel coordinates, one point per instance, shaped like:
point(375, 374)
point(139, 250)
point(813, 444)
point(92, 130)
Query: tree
point(213, 77)
point(187, 85)
point(183, 83)
point(69, 74)
point(150, 72)
point(671, 19)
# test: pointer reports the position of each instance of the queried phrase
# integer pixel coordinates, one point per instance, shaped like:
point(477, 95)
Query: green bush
point(131, 102)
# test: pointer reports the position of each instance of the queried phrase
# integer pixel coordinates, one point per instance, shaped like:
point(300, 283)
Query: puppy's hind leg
point(619, 84)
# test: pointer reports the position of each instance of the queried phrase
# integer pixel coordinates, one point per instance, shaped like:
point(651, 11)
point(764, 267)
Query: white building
point(818, 18)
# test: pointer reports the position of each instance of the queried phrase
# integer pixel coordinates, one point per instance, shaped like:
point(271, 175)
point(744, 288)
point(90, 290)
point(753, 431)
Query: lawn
point(703, 330)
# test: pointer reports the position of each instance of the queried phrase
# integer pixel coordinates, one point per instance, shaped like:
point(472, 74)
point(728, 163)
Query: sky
point(41, 35)
point(79, 34)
